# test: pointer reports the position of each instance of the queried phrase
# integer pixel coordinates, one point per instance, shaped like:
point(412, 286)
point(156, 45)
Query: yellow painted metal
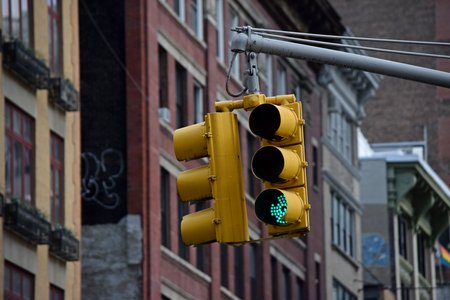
point(227, 182)
point(276, 164)
point(274, 123)
point(198, 228)
point(221, 179)
point(253, 100)
point(281, 163)
point(194, 184)
point(190, 142)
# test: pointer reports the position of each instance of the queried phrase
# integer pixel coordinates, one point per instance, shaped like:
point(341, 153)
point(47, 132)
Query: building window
point(199, 110)
point(181, 78)
point(220, 31)
point(224, 265)
point(197, 18)
point(201, 249)
point(402, 237)
point(315, 167)
point(254, 272)
point(297, 90)
point(165, 207)
point(179, 7)
point(342, 220)
point(300, 289)
point(19, 146)
point(317, 281)
point(18, 20)
point(55, 36)
point(341, 293)
point(274, 272)
point(269, 75)
point(421, 254)
point(286, 284)
point(234, 22)
point(56, 293)
point(57, 179)
point(238, 271)
point(340, 130)
point(404, 292)
point(18, 283)
point(281, 81)
point(163, 82)
point(183, 250)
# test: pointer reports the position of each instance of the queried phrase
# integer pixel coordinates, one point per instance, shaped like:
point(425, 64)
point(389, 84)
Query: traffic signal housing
point(221, 179)
point(280, 162)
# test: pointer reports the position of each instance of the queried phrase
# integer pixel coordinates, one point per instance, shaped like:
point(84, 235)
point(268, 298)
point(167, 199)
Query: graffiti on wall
point(100, 175)
point(375, 250)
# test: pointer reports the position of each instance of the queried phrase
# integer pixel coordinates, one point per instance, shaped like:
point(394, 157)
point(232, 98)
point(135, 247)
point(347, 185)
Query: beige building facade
point(40, 224)
point(342, 110)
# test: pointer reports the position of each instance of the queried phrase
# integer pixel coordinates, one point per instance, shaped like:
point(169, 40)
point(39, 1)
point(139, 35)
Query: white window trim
point(199, 110)
point(182, 13)
point(220, 31)
point(199, 20)
point(234, 22)
point(281, 81)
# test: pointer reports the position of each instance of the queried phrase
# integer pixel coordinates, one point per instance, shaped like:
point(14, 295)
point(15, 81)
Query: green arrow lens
point(271, 207)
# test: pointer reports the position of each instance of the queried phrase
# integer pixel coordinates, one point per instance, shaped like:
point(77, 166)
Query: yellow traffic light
point(221, 179)
point(281, 164)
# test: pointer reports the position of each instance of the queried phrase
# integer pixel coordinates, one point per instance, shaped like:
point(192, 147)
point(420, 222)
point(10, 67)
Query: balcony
point(27, 222)
point(63, 94)
point(24, 63)
point(64, 245)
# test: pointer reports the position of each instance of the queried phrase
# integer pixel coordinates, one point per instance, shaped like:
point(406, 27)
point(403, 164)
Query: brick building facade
point(149, 67)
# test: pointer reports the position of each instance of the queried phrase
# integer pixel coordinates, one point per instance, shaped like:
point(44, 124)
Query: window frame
point(281, 80)
point(181, 95)
point(342, 224)
point(57, 167)
point(402, 237)
point(8, 28)
point(340, 292)
point(197, 18)
point(179, 6)
point(27, 149)
point(56, 293)
point(165, 207)
point(199, 102)
point(234, 22)
point(340, 130)
point(287, 288)
point(421, 255)
point(183, 210)
point(238, 271)
point(163, 77)
point(10, 270)
point(220, 34)
point(55, 38)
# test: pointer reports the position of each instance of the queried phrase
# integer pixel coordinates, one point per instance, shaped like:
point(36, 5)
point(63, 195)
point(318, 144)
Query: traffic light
point(280, 162)
point(221, 179)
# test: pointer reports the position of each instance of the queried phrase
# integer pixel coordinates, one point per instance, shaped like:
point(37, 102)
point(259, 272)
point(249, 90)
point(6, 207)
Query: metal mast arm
point(250, 42)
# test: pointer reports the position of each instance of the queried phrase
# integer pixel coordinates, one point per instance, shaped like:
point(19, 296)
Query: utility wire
point(346, 37)
point(354, 46)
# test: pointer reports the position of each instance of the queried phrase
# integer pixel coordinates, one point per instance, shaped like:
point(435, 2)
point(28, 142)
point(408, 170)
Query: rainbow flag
point(444, 256)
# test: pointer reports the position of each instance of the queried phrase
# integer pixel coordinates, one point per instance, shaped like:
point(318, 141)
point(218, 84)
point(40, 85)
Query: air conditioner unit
point(164, 114)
